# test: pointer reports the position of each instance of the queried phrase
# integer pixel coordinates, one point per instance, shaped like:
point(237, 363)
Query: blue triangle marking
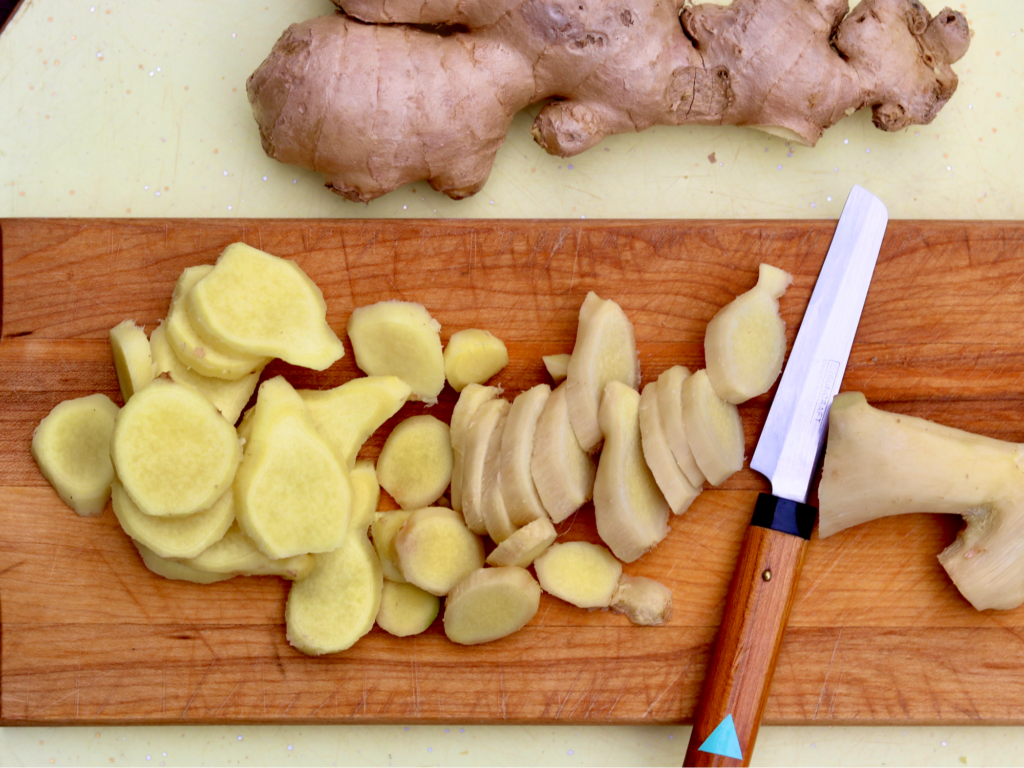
point(723, 740)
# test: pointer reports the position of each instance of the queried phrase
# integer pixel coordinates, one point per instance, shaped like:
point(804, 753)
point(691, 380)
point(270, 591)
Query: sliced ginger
point(605, 351)
point(525, 545)
point(490, 603)
point(172, 451)
point(133, 359)
point(236, 553)
point(713, 429)
point(522, 502)
point(670, 410)
point(292, 494)
point(557, 366)
point(471, 398)
point(329, 610)
point(172, 569)
point(671, 480)
point(583, 574)
point(383, 530)
point(406, 610)
point(399, 338)
point(631, 513)
point(365, 495)
point(71, 446)
point(488, 421)
point(472, 356)
point(644, 601)
point(415, 464)
point(256, 304)
point(436, 550)
point(745, 342)
point(562, 471)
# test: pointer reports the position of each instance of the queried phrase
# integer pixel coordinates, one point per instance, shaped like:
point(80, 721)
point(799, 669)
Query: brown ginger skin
point(393, 92)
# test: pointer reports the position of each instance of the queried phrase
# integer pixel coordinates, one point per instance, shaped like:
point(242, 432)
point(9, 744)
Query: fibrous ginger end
point(644, 601)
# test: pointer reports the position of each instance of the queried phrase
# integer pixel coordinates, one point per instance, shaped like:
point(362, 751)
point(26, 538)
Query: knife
point(772, 554)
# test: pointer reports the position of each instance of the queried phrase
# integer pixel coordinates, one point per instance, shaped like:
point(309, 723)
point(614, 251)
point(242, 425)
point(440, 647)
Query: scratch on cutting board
point(504, 696)
point(568, 693)
point(232, 693)
point(824, 684)
point(668, 687)
point(196, 691)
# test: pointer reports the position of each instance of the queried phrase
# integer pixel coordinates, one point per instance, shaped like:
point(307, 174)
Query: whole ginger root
point(395, 91)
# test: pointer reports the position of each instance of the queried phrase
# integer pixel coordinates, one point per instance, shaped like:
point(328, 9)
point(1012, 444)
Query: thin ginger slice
point(490, 603)
point(713, 429)
point(399, 338)
point(473, 356)
point(605, 351)
point(133, 359)
point(71, 446)
point(670, 410)
point(193, 351)
point(365, 495)
point(562, 471)
point(406, 610)
point(488, 420)
point(496, 520)
point(583, 574)
point(172, 451)
point(415, 464)
point(174, 537)
point(259, 305)
point(557, 366)
point(172, 569)
point(525, 545)
point(229, 397)
point(631, 513)
point(329, 610)
point(436, 550)
point(471, 398)
point(236, 553)
point(522, 502)
point(346, 416)
point(292, 495)
point(745, 342)
point(644, 601)
point(383, 529)
point(671, 480)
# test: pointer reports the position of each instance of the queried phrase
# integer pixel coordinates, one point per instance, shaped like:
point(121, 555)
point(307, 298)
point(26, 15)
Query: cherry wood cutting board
point(878, 634)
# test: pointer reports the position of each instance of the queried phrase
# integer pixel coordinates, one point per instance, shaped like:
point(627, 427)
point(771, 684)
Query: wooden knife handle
point(756, 613)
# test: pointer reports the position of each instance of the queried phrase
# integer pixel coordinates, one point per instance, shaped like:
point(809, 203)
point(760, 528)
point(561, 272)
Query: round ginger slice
point(406, 610)
point(471, 398)
point(472, 356)
point(172, 569)
point(436, 550)
point(713, 429)
point(237, 554)
point(71, 446)
point(525, 545)
point(365, 495)
point(383, 530)
point(133, 359)
point(518, 490)
point(172, 450)
point(489, 604)
point(670, 478)
point(583, 574)
point(562, 471)
point(415, 464)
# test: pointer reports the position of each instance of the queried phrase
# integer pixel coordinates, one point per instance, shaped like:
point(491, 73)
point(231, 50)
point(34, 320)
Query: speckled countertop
point(139, 109)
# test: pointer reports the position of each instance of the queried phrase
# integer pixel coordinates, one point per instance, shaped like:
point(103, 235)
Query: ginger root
point(389, 93)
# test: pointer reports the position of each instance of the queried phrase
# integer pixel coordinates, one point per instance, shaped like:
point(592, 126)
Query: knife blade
point(764, 583)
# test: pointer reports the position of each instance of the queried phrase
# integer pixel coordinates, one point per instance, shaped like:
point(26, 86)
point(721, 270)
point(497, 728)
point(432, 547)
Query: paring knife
point(772, 554)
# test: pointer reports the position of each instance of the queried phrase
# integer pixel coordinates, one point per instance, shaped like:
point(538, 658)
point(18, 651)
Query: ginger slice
point(133, 359)
point(671, 480)
point(490, 603)
point(292, 494)
point(471, 398)
point(71, 446)
point(415, 464)
point(472, 356)
point(713, 429)
point(177, 537)
point(670, 409)
point(745, 342)
point(172, 451)
point(525, 545)
point(399, 338)
point(605, 351)
point(518, 491)
point(236, 553)
point(562, 471)
point(644, 601)
point(583, 574)
point(383, 529)
point(436, 550)
point(172, 569)
point(631, 513)
point(489, 419)
point(346, 416)
point(194, 352)
point(365, 495)
point(229, 397)
point(406, 610)
point(329, 610)
point(557, 366)
point(259, 305)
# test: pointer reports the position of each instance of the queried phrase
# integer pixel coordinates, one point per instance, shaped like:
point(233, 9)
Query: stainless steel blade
point(788, 449)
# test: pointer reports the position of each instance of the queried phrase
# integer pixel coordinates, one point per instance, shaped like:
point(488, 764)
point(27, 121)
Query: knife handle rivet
point(767, 575)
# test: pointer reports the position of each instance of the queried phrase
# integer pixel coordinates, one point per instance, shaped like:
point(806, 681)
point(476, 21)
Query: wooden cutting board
point(878, 633)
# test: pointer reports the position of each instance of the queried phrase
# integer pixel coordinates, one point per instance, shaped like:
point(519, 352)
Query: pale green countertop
point(139, 109)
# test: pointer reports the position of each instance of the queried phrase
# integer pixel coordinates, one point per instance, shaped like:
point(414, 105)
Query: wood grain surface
point(877, 634)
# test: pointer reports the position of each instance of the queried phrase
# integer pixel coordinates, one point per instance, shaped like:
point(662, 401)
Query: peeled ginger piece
point(383, 530)
point(399, 338)
point(483, 441)
point(713, 429)
point(605, 351)
point(471, 398)
point(329, 610)
point(525, 545)
point(522, 502)
point(562, 471)
point(583, 574)
point(631, 513)
point(490, 603)
point(643, 601)
point(365, 495)
point(558, 366)
point(172, 569)
point(406, 610)
point(670, 411)
point(172, 451)
point(671, 480)
point(236, 553)
point(745, 343)
point(415, 464)
point(133, 359)
point(436, 550)
point(472, 356)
